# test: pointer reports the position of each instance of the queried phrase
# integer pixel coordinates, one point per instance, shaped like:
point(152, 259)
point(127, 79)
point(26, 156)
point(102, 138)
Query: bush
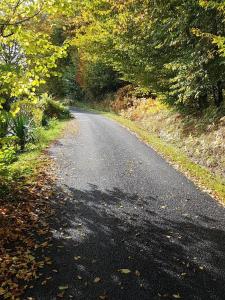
point(54, 109)
point(7, 153)
point(33, 109)
point(45, 121)
point(23, 127)
point(4, 123)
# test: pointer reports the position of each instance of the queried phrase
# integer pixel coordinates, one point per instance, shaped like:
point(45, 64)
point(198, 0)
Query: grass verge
point(25, 169)
point(208, 182)
point(26, 190)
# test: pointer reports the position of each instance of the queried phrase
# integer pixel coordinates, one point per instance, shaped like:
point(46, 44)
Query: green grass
point(198, 174)
point(30, 161)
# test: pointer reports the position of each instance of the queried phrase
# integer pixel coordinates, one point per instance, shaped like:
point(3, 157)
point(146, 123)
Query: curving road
point(132, 227)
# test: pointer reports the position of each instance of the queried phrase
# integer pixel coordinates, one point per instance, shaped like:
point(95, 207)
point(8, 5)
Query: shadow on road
point(97, 233)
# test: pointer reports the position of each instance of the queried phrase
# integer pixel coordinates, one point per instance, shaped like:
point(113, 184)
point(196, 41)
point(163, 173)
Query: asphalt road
point(124, 207)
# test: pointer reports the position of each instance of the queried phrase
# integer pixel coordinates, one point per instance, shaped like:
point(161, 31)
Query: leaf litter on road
point(24, 231)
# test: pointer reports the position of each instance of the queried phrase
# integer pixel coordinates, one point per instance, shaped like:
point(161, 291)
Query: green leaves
point(23, 128)
point(28, 56)
point(150, 45)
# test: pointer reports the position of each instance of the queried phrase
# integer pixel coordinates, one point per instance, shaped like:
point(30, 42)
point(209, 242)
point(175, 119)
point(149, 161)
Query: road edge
point(200, 176)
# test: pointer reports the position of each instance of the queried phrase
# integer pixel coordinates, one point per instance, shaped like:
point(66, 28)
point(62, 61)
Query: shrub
point(55, 109)
point(22, 126)
point(7, 153)
point(33, 109)
point(4, 123)
point(44, 121)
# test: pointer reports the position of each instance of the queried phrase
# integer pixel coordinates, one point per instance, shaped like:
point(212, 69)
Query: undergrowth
point(28, 163)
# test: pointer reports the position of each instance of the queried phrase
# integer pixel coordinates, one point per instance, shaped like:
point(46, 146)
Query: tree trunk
point(219, 98)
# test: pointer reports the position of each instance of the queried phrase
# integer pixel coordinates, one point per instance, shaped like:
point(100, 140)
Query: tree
point(98, 80)
point(154, 44)
point(27, 54)
point(65, 83)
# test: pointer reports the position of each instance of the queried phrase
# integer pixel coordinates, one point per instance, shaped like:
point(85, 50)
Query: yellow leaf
point(31, 257)
point(2, 291)
point(15, 111)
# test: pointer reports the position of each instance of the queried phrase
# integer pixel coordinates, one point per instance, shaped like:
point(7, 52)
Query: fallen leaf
point(60, 295)
point(63, 287)
point(45, 244)
point(137, 273)
point(2, 291)
point(31, 257)
point(97, 279)
point(8, 295)
point(77, 257)
point(176, 296)
point(124, 271)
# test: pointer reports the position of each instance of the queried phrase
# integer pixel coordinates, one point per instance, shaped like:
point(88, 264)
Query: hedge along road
point(132, 227)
